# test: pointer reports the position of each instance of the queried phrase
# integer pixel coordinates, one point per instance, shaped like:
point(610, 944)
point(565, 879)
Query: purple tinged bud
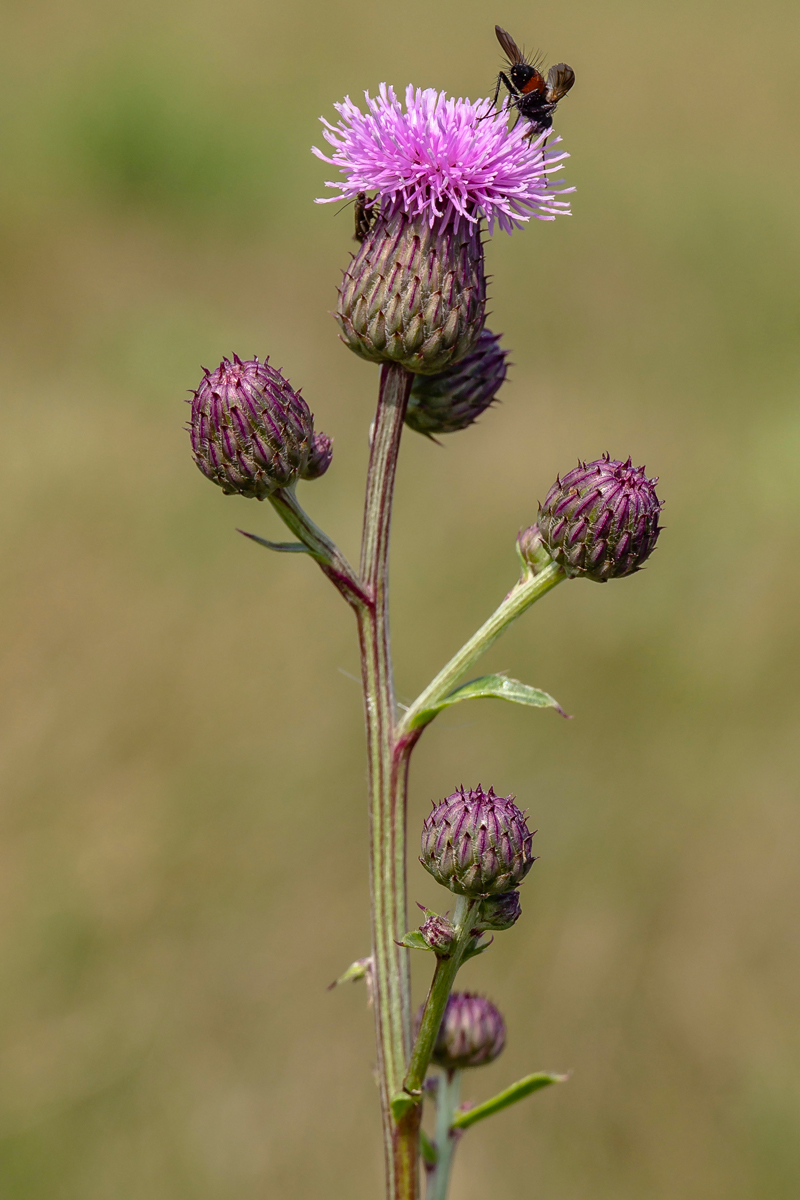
point(477, 844)
point(472, 1033)
point(601, 520)
point(531, 549)
point(500, 912)
point(320, 457)
point(456, 397)
point(251, 432)
point(438, 932)
point(415, 293)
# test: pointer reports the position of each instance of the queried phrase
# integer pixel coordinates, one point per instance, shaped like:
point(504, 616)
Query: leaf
point(491, 687)
point(477, 946)
point(427, 1149)
point(401, 1103)
point(517, 1091)
point(354, 972)
point(413, 940)
point(285, 547)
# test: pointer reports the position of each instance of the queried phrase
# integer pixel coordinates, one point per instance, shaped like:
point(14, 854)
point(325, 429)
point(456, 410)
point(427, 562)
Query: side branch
point(524, 593)
point(317, 543)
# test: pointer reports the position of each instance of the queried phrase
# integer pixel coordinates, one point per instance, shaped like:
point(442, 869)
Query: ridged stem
point(387, 784)
point(441, 985)
point(446, 1138)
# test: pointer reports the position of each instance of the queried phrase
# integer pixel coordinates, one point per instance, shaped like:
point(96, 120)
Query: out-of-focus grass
point(183, 824)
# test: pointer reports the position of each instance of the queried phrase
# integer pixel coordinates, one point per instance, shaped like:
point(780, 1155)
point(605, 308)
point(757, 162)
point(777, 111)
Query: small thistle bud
point(601, 520)
point(456, 397)
point(251, 432)
point(500, 912)
point(320, 457)
point(472, 1033)
point(477, 844)
point(438, 932)
point(531, 549)
point(414, 294)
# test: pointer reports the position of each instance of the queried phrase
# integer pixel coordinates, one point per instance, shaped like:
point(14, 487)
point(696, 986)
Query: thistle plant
point(431, 178)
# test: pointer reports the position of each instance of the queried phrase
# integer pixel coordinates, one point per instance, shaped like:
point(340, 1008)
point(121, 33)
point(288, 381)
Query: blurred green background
point(183, 820)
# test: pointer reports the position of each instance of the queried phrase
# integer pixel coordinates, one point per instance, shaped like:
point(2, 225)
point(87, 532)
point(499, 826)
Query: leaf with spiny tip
point(357, 970)
point(518, 1091)
point(498, 687)
point(283, 547)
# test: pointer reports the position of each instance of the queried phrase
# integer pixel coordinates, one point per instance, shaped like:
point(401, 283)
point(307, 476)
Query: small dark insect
point(365, 213)
point(534, 97)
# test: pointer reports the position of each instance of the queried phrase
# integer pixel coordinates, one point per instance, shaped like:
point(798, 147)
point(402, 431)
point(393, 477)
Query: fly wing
point(560, 79)
point(510, 47)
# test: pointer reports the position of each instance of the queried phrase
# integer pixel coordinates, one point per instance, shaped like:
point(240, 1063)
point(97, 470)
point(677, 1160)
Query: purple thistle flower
point(444, 159)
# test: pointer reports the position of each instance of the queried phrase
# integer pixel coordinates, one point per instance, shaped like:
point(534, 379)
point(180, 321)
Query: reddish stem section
point(388, 772)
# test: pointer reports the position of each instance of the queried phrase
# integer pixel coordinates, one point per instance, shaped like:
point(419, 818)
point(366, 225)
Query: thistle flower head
point(251, 432)
point(601, 520)
point(477, 844)
point(443, 160)
point(472, 1033)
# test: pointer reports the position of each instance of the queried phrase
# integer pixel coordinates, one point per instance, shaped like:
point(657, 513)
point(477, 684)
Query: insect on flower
point(534, 97)
point(365, 212)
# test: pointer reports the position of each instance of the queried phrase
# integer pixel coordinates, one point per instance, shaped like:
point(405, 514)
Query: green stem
point(441, 985)
point(525, 593)
point(447, 1097)
point(319, 546)
point(387, 777)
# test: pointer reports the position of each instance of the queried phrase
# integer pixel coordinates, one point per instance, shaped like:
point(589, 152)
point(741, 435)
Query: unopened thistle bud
point(601, 520)
point(320, 457)
point(500, 912)
point(477, 844)
point(438, 932)
point(455, 398)
point(415, 292)
point(251, 432)
point(531, 549)
point(472, 1033)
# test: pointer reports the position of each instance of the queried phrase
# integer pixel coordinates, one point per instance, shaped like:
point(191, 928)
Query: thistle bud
point(477, 844)
point(531, 549)
point(320, 457)
point(251, 432)
point(414, 293)
point(472, 1033)
point(601, 520)
point(456, 397)
point(500, 912)
point(438, 932)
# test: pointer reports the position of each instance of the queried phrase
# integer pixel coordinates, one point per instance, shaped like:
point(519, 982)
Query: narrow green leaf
point(401, 1103)
point(491, 687)
point(427, 1149)
point(517, 1091)
point(285, 547)
point(476, 947)
point(413, 940)
point(355, 971)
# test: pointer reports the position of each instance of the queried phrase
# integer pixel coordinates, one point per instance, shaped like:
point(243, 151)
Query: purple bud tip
point(320, 457)
point(251, 433)
point(601, 520)
point(500, 912)
point(477, 844)
point(472, 1033)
